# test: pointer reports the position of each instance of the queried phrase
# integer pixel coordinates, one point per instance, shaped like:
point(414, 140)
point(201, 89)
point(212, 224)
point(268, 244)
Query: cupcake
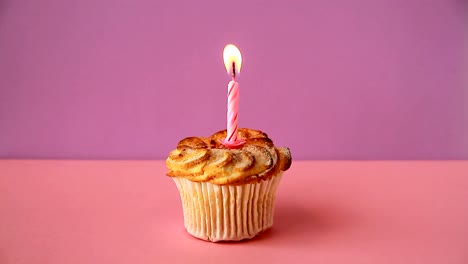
point(228, 194)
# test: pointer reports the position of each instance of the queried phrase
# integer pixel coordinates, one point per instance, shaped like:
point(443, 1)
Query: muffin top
point(208, 160)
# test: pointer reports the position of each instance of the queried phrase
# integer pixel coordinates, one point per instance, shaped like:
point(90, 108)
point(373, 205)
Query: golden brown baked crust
point(208, 160)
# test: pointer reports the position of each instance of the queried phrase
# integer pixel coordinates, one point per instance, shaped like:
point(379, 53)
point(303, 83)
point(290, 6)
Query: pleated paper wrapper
point(227, 212)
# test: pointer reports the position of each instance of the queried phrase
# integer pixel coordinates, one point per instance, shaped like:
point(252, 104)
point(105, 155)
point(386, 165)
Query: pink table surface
point(326, 212)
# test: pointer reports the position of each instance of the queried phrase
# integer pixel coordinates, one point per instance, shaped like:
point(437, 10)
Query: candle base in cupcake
point(233, 144)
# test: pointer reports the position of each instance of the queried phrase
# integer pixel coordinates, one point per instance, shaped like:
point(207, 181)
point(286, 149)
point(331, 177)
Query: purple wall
point(330, 79)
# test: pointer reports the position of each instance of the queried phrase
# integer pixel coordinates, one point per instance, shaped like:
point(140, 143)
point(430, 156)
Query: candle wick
point(233, 70)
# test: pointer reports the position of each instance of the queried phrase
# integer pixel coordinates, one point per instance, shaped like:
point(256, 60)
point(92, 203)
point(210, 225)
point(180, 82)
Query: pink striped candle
point(232, 62)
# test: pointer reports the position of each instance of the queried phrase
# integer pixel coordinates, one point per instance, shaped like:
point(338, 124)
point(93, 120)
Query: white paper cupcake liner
point(227, 212)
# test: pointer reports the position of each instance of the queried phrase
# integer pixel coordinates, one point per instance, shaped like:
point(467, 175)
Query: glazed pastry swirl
point(207, 160)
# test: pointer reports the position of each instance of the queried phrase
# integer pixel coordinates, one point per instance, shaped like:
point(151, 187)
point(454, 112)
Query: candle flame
point(232, 56)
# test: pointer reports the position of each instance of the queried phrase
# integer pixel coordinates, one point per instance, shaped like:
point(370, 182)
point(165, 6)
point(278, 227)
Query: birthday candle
point(232, 61)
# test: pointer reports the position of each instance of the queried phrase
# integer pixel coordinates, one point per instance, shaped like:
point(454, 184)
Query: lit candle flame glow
point(232, 57)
